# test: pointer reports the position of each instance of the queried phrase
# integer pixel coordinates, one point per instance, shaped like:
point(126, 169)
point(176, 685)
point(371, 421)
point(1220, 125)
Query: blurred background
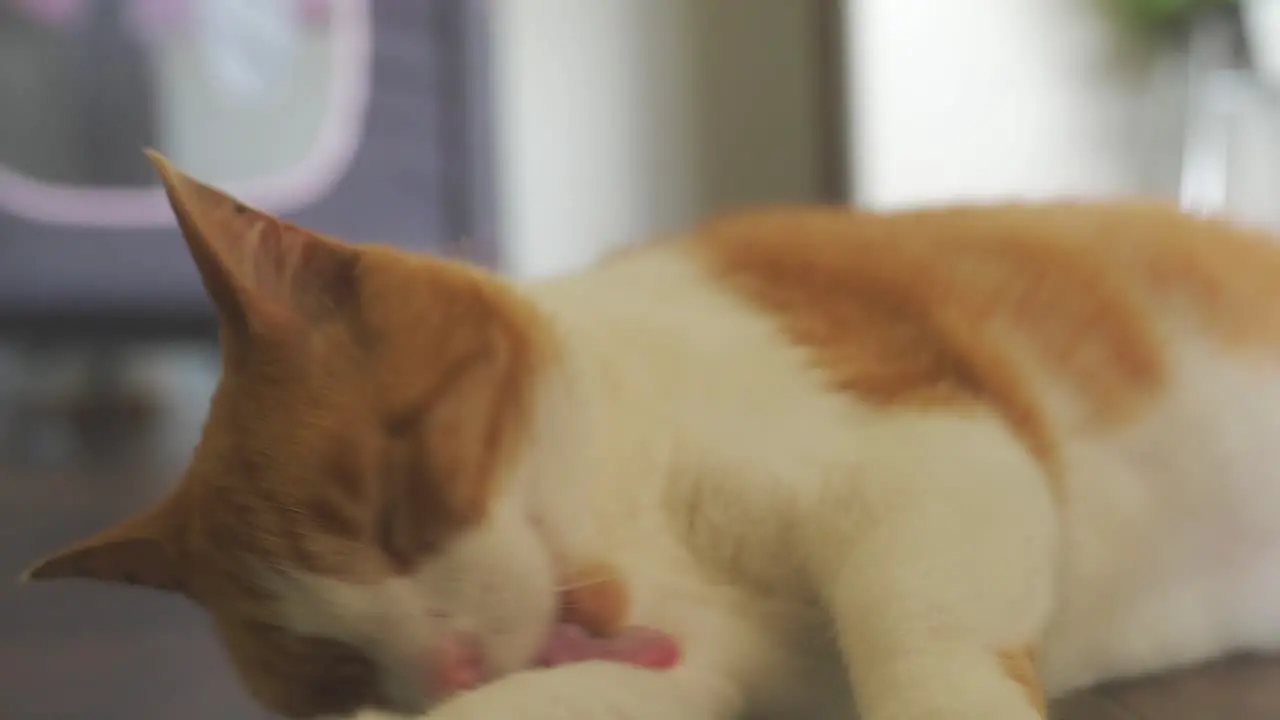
point(530, 136)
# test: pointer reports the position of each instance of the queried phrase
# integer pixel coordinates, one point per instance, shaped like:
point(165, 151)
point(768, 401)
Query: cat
point(936, 464)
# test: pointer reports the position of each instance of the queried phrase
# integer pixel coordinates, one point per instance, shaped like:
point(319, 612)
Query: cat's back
point(1093, 300)
point(1072, 318)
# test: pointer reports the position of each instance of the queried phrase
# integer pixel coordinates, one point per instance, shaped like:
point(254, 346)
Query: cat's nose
point(456, 664)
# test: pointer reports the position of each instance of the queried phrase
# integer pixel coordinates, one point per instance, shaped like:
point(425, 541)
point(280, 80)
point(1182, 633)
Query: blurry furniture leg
point(69, 401)
point(31, 437)
point(109, 414)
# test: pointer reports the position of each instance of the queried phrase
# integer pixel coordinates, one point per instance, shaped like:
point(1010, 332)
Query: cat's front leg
point(597, 690)
point(941, 597)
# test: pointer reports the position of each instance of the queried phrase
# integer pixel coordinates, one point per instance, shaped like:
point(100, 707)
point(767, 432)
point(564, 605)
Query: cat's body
point(1166, 520)
point(976, 456)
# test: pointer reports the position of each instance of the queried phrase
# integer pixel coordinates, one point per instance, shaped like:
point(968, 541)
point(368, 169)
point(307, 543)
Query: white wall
point(986, 99)
point(619, 120)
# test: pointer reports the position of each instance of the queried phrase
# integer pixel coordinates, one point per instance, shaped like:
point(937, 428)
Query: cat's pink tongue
point(643, 647)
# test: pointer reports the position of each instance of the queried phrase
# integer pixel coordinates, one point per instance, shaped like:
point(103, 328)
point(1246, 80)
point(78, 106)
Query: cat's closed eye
point(409, 521)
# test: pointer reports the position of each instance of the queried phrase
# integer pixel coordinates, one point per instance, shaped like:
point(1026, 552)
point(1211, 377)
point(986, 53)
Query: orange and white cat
point(948, 462)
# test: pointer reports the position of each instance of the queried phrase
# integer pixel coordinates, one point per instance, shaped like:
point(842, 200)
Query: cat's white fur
point(781, 529)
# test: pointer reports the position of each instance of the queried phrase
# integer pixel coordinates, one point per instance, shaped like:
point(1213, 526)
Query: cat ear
point(255, 266)
point(135, 552)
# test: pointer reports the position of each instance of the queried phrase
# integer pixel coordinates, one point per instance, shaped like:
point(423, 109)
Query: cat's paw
point(587, 691)
point(376, 715)
point(544, 694)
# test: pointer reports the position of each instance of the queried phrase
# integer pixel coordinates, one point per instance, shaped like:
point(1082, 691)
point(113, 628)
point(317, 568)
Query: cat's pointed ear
point(140, 551)
point(254, 265)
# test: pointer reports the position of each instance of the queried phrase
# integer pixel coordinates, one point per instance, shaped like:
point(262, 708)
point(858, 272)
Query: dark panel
point(419, 180)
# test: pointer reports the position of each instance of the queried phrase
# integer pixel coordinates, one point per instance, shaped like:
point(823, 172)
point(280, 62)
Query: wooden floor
point(85, 651)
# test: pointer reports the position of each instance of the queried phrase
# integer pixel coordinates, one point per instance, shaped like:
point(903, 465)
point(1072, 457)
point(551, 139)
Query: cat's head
point(349, 518)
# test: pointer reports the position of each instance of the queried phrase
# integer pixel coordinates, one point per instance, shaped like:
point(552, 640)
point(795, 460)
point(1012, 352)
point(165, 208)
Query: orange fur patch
point(982, 305)
point(1020, 666)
